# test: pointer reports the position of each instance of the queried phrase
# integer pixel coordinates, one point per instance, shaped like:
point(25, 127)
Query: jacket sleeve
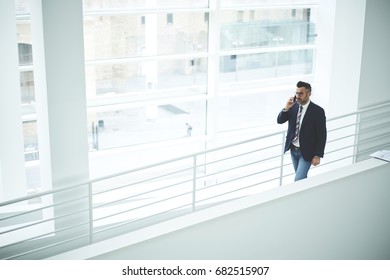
point(283, 117)
point(321, 132)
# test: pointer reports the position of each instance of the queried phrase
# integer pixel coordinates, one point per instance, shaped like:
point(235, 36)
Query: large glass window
point(144, 57)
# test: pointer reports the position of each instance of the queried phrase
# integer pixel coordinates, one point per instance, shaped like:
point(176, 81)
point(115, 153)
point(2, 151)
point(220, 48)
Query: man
point(306, 134)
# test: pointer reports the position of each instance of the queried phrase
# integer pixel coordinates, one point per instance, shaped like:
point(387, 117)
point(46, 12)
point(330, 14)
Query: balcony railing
point(48, 223)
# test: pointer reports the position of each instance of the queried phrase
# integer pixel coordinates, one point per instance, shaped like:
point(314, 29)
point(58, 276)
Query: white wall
point(62, 119)
point(375, 71)
point(12, 175)
point(340, 44)
point(353, 59)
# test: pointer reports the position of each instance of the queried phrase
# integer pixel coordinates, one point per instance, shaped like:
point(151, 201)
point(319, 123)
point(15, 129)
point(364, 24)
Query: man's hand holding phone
point(291, 101)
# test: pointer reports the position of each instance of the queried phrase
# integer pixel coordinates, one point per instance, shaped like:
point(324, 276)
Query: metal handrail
point(197, 184)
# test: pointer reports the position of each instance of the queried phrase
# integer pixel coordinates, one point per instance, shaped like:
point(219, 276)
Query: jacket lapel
point(307, 114)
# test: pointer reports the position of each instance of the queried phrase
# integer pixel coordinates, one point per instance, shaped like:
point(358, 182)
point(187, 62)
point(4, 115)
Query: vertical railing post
point(357, 133)
point(282, 159)
point(194, 184)
point(90, 208)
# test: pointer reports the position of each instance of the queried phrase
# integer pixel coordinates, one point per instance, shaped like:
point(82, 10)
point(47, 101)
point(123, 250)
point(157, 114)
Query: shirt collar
point(304, 107)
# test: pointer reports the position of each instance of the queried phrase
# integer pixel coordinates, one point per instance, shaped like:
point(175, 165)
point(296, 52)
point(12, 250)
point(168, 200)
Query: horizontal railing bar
point(45, 221)
point(372, 128)
point(236, 167)
point(47, 247)
point(342, 127)
point(143, 181)
point(142, 206)
point(140, 219)
point(238, 155)
point(46, 234)
point(247, 187)
point(336, 160)
point(340, 149)
point(143, 193)
point(374, 119)
point(375, 116)
point(365, 141)
point(324, 164)
point(360, 111)
point(42, 208)
point(370, 150)
point(236, 179)
point(41, 194)
point(341, 138)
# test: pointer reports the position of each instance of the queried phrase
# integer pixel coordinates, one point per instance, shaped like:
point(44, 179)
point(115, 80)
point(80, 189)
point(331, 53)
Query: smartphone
point(295, 99)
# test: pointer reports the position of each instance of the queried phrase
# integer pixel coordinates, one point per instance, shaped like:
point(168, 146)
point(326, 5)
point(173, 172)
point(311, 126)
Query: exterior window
point(25, 54)
point(169, 18)
point(251, 15)
point(206, 17)
point(240, 16)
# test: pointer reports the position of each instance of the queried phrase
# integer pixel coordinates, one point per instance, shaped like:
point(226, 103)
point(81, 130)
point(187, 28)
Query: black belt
point(295, 148)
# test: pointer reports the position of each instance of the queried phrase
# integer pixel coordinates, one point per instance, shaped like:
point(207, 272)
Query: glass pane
point(267, 28)
point(142, 4)
point(135, 35)
point(147, 124)
point(27, 92)
point(145, 76)
point(24, 43)
point(243, 3)
point(30, 140)
point(22, 7)
point(265, 65)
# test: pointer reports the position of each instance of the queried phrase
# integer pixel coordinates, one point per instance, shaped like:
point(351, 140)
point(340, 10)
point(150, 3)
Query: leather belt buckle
point(295, 147)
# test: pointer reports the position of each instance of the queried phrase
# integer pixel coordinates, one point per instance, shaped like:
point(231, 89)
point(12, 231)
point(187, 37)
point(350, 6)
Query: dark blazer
point(312, 137)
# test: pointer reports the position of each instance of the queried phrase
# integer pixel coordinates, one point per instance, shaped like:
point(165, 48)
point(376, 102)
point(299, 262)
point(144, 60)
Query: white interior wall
point(340, 44)
point(65, 83)
point(62, 120)
point(12, 173)
point(375, 73)
point(352, 59)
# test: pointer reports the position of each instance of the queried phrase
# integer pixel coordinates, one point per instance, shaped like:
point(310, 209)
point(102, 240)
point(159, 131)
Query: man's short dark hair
point(307, 86)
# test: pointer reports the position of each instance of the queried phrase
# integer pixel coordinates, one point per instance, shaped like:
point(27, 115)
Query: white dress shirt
point(304, 109)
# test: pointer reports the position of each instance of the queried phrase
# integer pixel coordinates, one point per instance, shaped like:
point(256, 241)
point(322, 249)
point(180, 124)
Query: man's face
point(302, 95)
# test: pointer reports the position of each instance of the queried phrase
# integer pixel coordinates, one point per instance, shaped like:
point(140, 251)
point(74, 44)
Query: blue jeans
point(301, 166)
